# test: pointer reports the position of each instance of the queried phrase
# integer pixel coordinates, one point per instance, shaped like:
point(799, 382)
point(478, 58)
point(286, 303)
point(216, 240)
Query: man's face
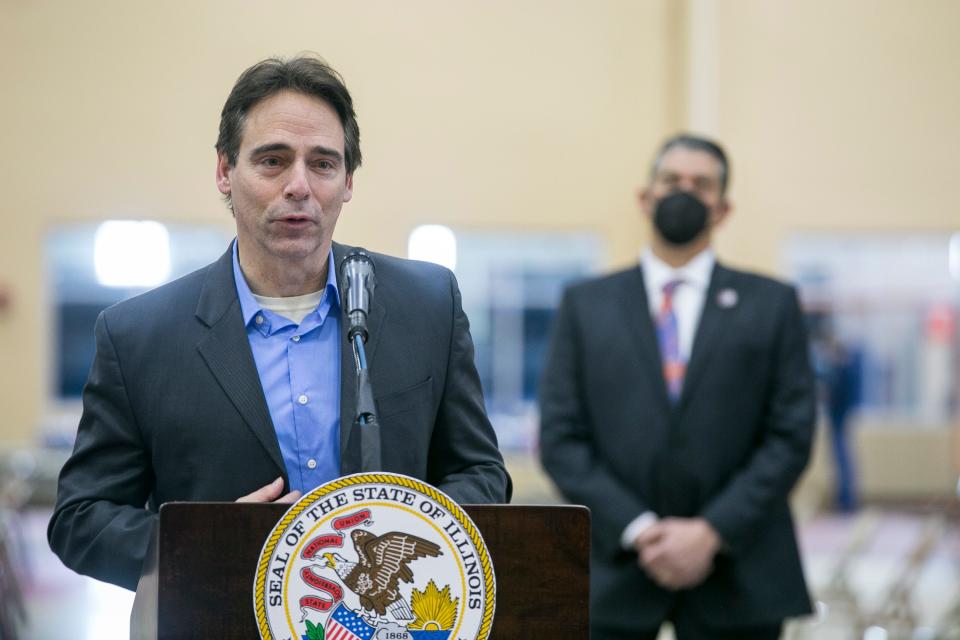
point(691, 170)
point(289, 181)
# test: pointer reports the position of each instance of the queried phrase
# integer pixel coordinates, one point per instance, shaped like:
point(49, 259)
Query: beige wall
point(840, 115)
point(504, 114)
point(493, 114)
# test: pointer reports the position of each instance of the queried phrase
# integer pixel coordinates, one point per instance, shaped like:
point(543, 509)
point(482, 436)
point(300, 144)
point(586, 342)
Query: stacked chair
point(15, 491)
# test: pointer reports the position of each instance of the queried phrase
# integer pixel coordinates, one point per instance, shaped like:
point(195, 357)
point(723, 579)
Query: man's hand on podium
point(271, 493)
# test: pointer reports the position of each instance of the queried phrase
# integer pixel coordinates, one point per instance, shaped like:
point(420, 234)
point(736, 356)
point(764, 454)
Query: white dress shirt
point(688, 299)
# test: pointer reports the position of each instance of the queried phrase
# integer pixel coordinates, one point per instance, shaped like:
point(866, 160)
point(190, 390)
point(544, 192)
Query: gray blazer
point(173, 409)
point(730, 450)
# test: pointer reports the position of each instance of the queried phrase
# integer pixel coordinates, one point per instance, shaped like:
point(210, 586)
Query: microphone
point(357, 274)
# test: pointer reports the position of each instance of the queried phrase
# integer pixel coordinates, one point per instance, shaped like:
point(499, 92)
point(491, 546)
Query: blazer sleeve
point(568, 441)
point(783, 448)
point(100, 525)
point(464, 460)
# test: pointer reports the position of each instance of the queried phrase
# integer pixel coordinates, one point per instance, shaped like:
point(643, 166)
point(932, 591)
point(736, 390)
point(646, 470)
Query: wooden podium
point(197, 580)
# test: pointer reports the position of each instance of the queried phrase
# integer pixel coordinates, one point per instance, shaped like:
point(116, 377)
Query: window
point(92, 266)
point(892, 302)
point(511, 285)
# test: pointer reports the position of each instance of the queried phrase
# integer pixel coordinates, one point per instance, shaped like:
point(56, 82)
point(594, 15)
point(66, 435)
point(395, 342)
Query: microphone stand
point(365, 418)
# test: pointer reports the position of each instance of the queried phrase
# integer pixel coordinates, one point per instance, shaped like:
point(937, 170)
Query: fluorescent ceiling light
point(131, 253)
point(433, 243)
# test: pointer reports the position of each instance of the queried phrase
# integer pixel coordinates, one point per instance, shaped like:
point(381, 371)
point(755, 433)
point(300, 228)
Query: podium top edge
point(274, 505)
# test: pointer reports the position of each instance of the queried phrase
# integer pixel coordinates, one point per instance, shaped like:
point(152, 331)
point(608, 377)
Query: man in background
point(838, 367)
point(236, 382)
point(678, 404)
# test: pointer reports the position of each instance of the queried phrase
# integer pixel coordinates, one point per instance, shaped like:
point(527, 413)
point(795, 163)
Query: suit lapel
point(642, 331)
point(348, 366)
point(717, 306)
point(226, 350)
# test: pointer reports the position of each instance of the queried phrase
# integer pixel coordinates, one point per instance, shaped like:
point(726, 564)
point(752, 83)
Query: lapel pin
point(727, 298)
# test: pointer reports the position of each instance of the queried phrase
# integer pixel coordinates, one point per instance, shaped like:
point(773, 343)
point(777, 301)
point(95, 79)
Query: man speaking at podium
point(678, 404)
point(237, 382)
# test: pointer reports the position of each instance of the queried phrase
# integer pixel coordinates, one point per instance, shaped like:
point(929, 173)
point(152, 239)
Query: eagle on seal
point(382, 562)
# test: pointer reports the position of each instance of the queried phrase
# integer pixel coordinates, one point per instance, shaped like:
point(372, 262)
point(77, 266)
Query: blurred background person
point(838, 369)
point(678, 403)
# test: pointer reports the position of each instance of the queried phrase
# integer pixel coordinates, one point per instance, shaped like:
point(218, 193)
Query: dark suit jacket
point(729, 451)
point(173, 409)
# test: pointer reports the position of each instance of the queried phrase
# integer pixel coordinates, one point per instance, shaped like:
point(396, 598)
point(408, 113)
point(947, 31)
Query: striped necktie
point(668, 336)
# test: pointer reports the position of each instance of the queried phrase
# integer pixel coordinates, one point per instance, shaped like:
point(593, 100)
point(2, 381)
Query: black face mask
point(680, 217)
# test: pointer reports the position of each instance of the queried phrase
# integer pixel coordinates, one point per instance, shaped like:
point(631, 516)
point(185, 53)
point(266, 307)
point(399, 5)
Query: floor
point(59, 599)
point(882, 574)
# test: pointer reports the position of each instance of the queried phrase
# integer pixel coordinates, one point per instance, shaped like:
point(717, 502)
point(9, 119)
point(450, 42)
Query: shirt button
point(259, 319)
point(295, 338)
point(303, 399)
point(311, 464)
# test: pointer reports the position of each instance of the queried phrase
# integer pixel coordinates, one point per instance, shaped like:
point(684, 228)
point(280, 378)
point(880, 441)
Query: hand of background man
point(678, 552)
point(271, 493)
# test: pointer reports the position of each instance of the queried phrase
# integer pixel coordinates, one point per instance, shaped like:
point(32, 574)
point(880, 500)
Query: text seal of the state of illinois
point(374, 556)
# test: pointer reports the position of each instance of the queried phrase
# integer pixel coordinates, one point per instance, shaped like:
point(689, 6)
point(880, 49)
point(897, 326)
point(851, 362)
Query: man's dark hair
point(310, 76)
point(696, 143)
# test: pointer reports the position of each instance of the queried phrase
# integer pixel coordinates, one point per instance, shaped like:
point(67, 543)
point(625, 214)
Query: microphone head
point(357, 275)
point(357, 264)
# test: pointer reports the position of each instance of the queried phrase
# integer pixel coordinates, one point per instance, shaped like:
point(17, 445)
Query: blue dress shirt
point(299, 368)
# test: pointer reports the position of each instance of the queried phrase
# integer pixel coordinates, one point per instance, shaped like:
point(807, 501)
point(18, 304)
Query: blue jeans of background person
point(846, 490)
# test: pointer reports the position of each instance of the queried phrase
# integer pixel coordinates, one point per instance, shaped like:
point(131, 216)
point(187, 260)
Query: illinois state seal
point(377, 556)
